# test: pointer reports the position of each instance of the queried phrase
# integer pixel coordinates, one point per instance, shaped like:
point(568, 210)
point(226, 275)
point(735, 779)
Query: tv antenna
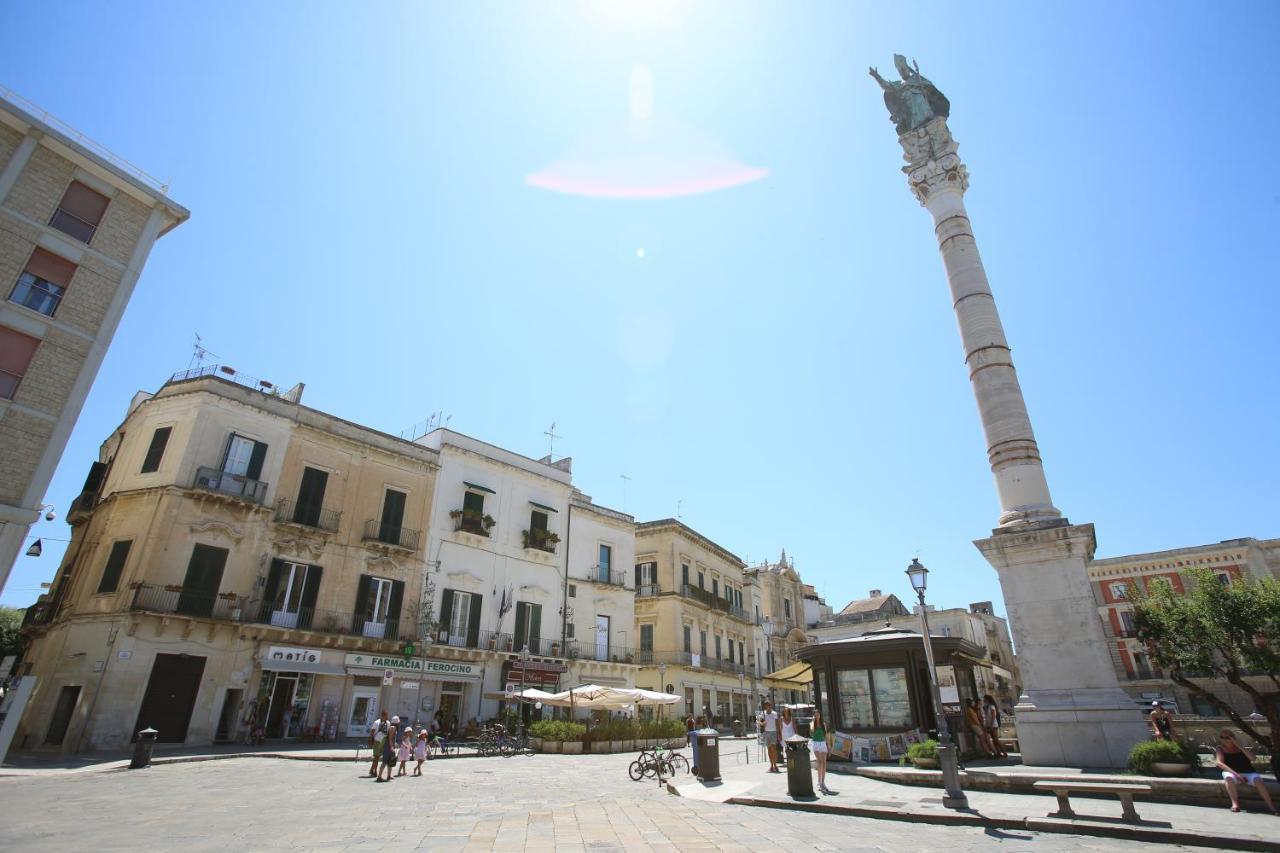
point(199, 353)
point(551, 436)
point(679, 504)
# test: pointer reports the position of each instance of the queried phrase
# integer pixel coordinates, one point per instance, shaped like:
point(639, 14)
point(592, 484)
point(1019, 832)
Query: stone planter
point(554, 747)
point(1170, 768)
point(535, 743)
point(926, 763)
point(600, 747)
point(571, 747)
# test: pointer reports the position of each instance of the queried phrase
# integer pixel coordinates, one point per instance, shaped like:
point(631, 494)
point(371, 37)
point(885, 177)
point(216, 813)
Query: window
point(646, 638)
point(719, 656)
point(155, 452)
point(42, 283)
point(244, 457)
point(742, 658)
point(684, 574)
point(702, 581)
point(392, 520)
point(702, 643)
point(311, 497)
point(1224, 578)
point(79, 212)
point(203, 578)
point(731, 651)
point(1126, 621)
point(459, 618)
point(606, 562)
point(377, 610)
point(115, 566)
point(568, 631)
point(688, 642)
point(473, 513)
point(786, 607)
point(290, 595)
point(1119, 590)
point(573, 590)
point(537, 536)
point(647, 577)
point(528, 627)
point(874, 698)
point(16, 352)
point(715, 587)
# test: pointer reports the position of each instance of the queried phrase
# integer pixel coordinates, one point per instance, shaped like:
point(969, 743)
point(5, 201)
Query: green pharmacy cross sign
point(409, 649)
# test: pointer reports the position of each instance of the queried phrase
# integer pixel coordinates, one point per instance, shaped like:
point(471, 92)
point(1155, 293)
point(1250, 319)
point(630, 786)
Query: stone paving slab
point(859, 796)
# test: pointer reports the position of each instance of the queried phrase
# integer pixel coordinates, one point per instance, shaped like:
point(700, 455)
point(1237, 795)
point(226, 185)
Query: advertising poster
point(841, 745)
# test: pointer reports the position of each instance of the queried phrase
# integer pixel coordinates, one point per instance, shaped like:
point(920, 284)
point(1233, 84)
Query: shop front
point(414, 689)
point(296, 695)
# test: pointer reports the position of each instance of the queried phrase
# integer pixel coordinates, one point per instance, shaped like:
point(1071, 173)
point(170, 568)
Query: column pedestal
point(1074, 712)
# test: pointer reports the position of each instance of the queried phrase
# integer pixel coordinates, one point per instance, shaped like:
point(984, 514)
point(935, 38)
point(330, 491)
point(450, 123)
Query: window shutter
point(51, 268)
point(473, 629)
point(83, 203)
point(446, 611)
point(155, 451)
point(535, 627)
point(115, 565)
point(272, 589)
point(522, 611)
point(684, 575)
point(256, 460)
point(637, 575)
point(310, 593)
point(393, 610)
point(362, 604)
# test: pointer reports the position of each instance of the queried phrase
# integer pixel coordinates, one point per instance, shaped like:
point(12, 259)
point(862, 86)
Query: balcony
point(81, 507)
point(307, 515)
point(496, 641)
point(541, 540)
point(647, 590)
point(150, 598)
point(469, 521)
point(714, 602)
point(601, 575)
point(235, 485)
point(586, 649)
point(399, 537)
point(686, 659)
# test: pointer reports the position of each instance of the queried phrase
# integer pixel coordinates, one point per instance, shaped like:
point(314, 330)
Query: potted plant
point(455, 514)
point(1163, 758)
point(488, 521)
point(924, 755)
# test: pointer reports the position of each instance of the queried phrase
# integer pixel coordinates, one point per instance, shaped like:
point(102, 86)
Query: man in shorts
point(377, 734)
point(770, 735)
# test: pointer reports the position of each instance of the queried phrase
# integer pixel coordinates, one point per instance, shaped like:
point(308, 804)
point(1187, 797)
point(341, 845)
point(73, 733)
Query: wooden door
point(170, 697)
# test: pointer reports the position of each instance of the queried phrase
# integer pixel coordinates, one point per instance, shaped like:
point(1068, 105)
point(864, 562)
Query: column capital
point(932, 163)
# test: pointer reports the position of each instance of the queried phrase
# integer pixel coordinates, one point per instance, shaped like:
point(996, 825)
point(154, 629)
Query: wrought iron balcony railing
point(309, 515)
point(236, 485)
point(401, 537)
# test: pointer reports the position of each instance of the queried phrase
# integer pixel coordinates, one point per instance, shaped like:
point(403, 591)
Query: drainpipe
point(564, 598)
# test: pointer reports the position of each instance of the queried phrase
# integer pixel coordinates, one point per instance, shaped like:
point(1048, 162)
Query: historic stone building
point(76, 226)
point(695, 630)
point(238, 560)
point(1115, 578)
point(778, 594)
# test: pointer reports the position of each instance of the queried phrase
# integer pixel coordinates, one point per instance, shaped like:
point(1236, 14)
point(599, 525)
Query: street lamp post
point(662, 684)
point(524, 665)
point(953, 797)
point(767, 624)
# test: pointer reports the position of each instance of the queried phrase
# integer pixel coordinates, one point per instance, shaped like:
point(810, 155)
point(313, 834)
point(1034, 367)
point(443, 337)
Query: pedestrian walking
point(818, 737)
point(1236, 763)
point(406, 749)
point(973, 721)
point(1161, 722)
point(420, 752)
point(991, 722)
point(389, 750)
point(771, 735)
point(377, 734)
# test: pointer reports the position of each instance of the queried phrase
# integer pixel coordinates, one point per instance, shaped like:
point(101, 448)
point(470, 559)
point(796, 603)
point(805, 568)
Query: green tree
point(1218, 632)
point(10, 620)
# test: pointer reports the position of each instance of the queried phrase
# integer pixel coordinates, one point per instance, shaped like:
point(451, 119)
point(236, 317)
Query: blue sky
point(783, 360)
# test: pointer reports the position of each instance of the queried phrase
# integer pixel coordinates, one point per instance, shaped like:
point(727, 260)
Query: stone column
point(1074, 711)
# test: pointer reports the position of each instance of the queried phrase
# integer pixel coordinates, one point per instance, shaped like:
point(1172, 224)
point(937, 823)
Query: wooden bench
point(1064, 790)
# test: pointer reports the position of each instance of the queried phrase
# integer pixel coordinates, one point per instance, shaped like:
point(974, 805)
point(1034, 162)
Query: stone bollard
point(142, 748)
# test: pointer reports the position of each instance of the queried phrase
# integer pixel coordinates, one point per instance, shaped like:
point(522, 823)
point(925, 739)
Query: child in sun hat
point(420, 751)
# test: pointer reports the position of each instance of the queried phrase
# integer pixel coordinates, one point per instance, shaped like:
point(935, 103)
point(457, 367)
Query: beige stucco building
point(237, 560)
point(778, 597)
point(76, 227)
point(696, 633)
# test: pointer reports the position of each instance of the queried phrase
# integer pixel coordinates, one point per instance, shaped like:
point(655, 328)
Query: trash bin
point(142, 748)
point(738, 730)
point(707, 754)
point(799, 776)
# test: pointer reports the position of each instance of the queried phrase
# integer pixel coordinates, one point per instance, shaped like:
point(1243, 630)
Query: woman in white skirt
point(818, 738)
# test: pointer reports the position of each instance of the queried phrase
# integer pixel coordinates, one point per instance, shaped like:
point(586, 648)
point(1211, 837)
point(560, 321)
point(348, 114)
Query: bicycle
point(657, 762)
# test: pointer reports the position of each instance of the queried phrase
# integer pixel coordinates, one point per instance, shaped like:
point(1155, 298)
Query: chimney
point(875, 593)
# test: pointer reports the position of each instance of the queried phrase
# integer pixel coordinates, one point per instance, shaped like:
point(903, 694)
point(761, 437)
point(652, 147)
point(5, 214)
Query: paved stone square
point(542, 802)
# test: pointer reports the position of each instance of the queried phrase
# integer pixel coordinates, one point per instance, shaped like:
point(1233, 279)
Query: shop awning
point(301, 666)
point(544, 506)
point(794, 677)
point(478, 488)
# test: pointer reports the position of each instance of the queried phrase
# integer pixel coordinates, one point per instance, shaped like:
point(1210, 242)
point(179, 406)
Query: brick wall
point(121, 227)
point(53, 371)
point(9, 140)
point(40, 186)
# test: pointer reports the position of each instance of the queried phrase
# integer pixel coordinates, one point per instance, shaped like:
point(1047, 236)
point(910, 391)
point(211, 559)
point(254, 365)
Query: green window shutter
point(393, 611)
point(446, 612)
point(115, 566)
point(256, 459)
point(535, 627)
point(310, 594)
point(473, 629)
point(521, 619)
point(155, 452)
point(361, 612)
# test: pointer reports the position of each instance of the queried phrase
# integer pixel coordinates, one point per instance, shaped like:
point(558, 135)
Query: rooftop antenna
point(625, 478)
point(551, 436)
point(447, 418)
point(199, 353)
point(679, 504)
